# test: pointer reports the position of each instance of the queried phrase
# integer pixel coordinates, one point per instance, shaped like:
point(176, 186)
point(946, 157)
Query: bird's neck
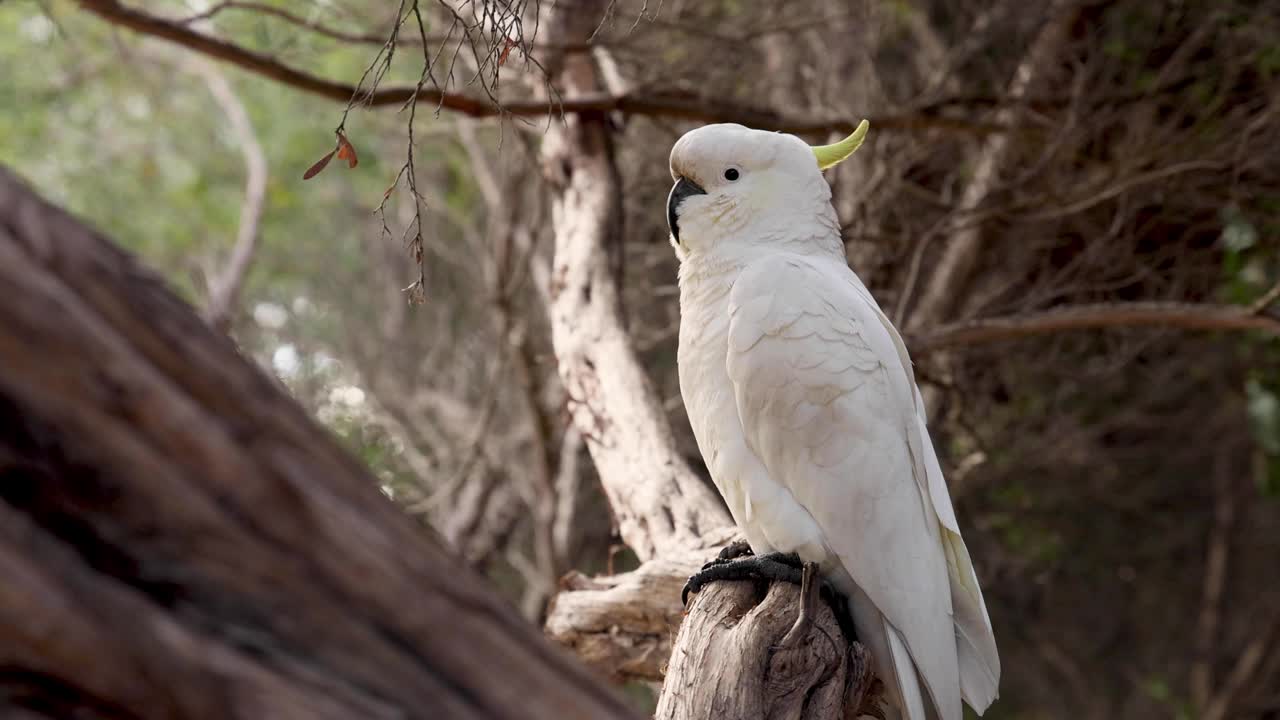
point(719, 264)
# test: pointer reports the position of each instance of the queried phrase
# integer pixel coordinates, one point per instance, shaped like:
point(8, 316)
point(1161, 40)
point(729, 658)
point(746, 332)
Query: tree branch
point(1245, 669)
point(179, 539)
point(666, 106)
point(623, 625)
point(1215, 580)
point(289, 17)
point(1268, 298)
point(224, 287)
point(1185, 316)
point(959, 259)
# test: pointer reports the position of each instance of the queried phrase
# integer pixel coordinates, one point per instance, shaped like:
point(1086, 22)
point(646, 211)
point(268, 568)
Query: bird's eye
point(731, 174)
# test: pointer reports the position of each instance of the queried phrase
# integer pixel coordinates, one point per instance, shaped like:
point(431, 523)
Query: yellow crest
point(832, 155)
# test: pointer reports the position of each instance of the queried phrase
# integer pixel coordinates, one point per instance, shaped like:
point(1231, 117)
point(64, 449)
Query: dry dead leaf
point(320, 165)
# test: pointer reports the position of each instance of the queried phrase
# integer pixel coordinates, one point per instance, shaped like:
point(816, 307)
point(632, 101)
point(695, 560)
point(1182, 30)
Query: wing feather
point(825, 405)
point(978, 656)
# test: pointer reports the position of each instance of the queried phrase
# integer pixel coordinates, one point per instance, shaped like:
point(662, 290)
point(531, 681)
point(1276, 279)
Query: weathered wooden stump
point(726, 662)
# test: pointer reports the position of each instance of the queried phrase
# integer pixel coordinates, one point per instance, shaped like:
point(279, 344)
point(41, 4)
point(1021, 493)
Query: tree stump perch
point(726, 662)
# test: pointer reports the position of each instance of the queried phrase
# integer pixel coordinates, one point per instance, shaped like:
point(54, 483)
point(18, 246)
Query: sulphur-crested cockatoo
point(805, 408)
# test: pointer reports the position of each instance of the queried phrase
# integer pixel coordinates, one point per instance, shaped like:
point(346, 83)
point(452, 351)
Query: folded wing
point(828, 404)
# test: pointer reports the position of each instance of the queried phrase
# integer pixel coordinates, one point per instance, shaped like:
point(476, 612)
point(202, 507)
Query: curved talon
point(693, 584)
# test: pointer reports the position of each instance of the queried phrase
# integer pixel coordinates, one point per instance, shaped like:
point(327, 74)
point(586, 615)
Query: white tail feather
point(978, 657)
point(913, 702)
point(890, 658)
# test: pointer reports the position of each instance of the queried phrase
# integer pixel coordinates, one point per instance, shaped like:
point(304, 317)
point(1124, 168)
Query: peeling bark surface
point(178, 539)
point(623, 625)
point(728, 663)
point(660, 505)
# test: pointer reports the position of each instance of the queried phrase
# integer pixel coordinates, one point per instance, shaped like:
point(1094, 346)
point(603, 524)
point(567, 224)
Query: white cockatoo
point(806, 410)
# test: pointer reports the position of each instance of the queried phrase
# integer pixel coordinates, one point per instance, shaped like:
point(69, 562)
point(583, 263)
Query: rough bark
point(661, 507)
point(624, 625)
point(178, 539)
point(728, 661)
point(719, 659)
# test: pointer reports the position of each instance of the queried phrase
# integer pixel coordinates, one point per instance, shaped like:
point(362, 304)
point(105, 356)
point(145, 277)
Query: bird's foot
point(736, 562)
point(732, 551)
point(769, 567)
point(809, 588)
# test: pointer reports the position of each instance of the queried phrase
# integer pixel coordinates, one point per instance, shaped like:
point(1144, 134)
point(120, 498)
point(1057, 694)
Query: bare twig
point(285, 15)
point(475, 447)
point(673, 107)
point(1186, 316)
point(224, 288)
point(1267, 300)
point(1114, 190)
point(960, 256)
point(1215, 579)
point(1245, 668)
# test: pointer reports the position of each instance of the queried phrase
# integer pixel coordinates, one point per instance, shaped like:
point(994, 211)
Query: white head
point(735, 184)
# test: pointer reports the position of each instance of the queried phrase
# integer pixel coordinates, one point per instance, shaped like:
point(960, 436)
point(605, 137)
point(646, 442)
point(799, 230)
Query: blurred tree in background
point(1072, 208)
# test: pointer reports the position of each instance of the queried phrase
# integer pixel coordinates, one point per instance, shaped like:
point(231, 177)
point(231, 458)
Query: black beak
point(684, 188)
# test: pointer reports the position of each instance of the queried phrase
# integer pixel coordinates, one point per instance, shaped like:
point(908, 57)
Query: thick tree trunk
point(178, 539)
point(660, 505)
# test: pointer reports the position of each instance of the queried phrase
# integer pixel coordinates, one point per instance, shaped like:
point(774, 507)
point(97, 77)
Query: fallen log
point(179, 539)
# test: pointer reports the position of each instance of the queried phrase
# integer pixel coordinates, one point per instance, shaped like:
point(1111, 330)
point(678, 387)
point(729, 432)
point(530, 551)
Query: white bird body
point(802, 399)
